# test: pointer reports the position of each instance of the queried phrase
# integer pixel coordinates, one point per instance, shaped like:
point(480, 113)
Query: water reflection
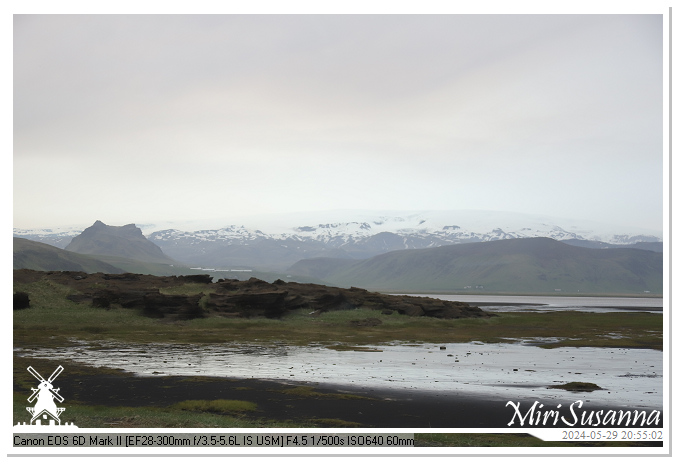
point(521, 370)
point(502, 303)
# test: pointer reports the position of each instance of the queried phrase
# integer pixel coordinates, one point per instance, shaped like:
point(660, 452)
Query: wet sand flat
point(402, 386)
point(376, 408)
point(510, 371)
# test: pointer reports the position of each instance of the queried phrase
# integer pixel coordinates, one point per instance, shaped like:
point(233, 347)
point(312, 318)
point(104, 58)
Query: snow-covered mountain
point(275, 242)
point(340, 227)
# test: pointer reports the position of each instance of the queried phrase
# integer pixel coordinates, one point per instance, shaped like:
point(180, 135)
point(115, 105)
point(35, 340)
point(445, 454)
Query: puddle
point(512, 371)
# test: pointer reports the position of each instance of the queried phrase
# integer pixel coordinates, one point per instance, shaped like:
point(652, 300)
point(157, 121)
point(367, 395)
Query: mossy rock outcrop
point(236, 298)
point(578, 386)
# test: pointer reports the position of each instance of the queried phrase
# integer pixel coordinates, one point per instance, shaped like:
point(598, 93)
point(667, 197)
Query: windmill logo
point(45, 408)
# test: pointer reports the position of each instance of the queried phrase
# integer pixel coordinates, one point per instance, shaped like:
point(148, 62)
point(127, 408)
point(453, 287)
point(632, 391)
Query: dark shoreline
point(354, 406)
point(538, 307)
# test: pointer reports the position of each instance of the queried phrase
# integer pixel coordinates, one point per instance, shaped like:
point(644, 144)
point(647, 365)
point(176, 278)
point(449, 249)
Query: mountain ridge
point(126, 241)
point(278, 243)
point(529, 265)
point(240, 245)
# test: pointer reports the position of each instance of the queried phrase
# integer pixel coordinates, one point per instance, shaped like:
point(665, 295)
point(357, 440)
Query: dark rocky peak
point(126, 241)
point(128, 230)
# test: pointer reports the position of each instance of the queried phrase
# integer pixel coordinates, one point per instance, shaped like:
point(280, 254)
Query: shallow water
point(556, 303)
point(513, 371)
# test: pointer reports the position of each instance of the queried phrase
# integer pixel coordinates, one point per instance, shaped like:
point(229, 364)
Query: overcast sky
point(131, 119)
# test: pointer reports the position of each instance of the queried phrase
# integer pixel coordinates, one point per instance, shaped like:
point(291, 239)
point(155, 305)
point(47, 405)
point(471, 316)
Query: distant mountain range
point(278, 244)
point(115, 250)
point(314, 250)
point(530, 265)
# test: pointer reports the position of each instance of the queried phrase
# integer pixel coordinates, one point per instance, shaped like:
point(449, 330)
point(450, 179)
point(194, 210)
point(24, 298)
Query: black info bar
point(184, 440)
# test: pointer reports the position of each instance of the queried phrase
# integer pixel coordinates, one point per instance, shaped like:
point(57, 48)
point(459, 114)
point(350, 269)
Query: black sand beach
point(351, 407)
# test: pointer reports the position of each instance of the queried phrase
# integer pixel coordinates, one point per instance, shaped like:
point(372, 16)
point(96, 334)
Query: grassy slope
point(42, 257)
point(38, 256)
point(52, 319)
point(516, 266)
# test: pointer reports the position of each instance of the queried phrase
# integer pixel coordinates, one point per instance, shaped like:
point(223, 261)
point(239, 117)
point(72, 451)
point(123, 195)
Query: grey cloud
point(420, 94)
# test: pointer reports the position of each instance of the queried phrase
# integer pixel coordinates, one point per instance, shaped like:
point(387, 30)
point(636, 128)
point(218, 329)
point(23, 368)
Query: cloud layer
point(132, 118)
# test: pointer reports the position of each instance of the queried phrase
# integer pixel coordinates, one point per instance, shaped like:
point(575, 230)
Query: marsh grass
point(58, 317)
point(336, 423)
point(216, 406)
point(95, 416)
point(310, 392)
point(53, 320)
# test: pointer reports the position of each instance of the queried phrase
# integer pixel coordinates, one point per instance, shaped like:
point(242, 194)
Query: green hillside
point(43, 257)
point(533, 265)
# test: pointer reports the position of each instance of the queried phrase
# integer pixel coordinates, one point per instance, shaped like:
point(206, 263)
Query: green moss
point(338, 423)
point(578, 386)
point(187, 289)
point(216, 406)
point(310, 392)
